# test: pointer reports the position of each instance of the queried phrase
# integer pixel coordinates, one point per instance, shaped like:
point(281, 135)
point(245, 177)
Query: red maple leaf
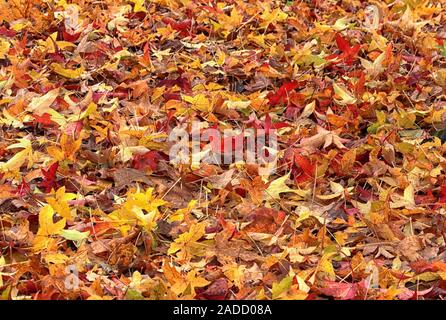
point(148, 160)
point(344, 291)
point(44, 119)
point(23, 188)
point(181, 82)
point(270, 125)
point(348, 53)
point(184, 27)
point(305, 168)
point(281, 95)
point(49, 177)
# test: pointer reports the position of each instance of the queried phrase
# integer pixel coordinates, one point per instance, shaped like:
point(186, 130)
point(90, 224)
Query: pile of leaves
point(92, 208)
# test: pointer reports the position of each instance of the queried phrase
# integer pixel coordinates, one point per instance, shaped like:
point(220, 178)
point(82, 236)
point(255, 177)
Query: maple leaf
point(232, 21)
point(256, 188)
point(67, 149)
point(277, 187)
point(186, 245)
point(185, 27)
point(406, 201)
point(60, 203)
point(44, 120)
point(47, 229)
point(199, 102)
point(138, 6)
point(49, 177)
point(140, 208)
point(346, 97)
point(348, 53)
point(23, 188)
point(192, 281)
point(26, 154)
point(344, 291)
point(325, 265)
point(307, 168)
point(376, 67)
point(41, 105)
point(67, 73)
point(271, 16)
point(282, 286)
point(148, 160)
point(180, 214)
point(75, 236)
point(46, 225)
point(281, 95)
point(325, 138)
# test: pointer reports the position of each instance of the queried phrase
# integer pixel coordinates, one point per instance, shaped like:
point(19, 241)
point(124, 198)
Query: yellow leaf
point(140, 208)
point(326, 266)
point(139, 6)
point(41, 105)
point(278, 186)
point(74, 235)
point(179, 214)
point(56, 258)
point(269, 17)
point(157, 92)
point(67, 73)
point(346, 97)
point(10, 121)
point(15, 162)
point(230, 104)
point(186, 243)
point(47, 226)
point(50, 42)
point(60, 203)
point(4, 48)
point(65, 44)
point(230, 22)
point(20, 157)
point(55, 153)
point(302, 285)
point(199, 102)
point(91, 109)
point(191, 282)
point(57, 117)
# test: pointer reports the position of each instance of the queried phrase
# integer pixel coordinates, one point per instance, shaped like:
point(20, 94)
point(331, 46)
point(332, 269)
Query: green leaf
point(75, 236)
point(133, 294)
point(281, 287)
